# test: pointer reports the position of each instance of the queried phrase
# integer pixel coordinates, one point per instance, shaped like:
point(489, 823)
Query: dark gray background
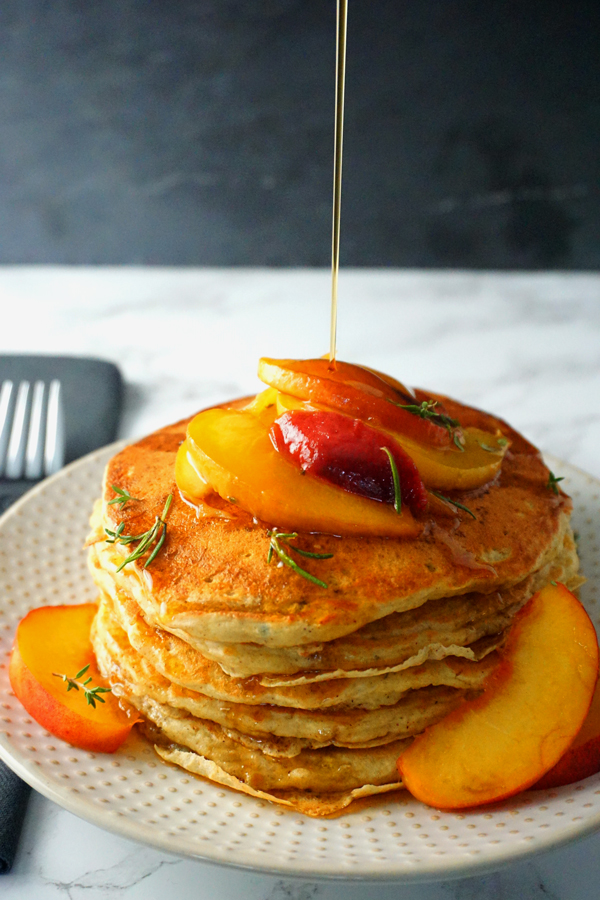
point(200, 132)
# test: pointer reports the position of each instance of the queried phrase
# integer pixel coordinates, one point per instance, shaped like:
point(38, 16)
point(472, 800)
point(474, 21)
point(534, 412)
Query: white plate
point(133, 794)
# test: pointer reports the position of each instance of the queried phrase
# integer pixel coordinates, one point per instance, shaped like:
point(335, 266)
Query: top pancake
point(212, 581)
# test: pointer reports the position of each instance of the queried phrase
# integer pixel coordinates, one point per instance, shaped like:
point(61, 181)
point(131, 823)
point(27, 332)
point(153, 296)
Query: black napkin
point(14, 794)
point(92, 394)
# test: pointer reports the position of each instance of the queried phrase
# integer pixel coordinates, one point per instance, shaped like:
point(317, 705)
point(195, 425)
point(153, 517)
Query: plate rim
point(128, 828)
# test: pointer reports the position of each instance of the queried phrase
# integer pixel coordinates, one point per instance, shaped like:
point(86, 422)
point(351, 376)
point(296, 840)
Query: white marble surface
point(526, 347)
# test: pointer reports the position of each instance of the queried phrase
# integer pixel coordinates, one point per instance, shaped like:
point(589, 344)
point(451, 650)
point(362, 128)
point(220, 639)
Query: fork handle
point(11, 491)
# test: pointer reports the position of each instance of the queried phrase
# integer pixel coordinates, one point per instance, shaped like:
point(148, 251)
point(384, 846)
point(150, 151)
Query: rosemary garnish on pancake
point(426, 410)
point(552, 484)
point(92, 695)
point(396, 479)
point(454, 503)
point(123, 496)
point(279, 540)
point(155, 535)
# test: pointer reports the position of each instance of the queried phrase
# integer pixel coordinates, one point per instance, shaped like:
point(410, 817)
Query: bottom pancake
point(316, 805)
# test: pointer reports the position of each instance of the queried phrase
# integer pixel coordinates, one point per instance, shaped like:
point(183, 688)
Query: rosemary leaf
point(161, 541)
point(154, 536)
point(313, 555)
point(553, 482)
point(427, 410)
point(454, 503)
point(279, 539)
point(123, 496)
point(457, 442)
point(395, 478)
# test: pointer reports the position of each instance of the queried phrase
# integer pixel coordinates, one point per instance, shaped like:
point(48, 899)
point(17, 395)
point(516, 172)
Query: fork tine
point(6, 404)
point(34, 453)
point(54, 452)
point(15, 459)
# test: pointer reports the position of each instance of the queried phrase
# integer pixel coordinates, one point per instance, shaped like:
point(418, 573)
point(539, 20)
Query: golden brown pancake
point(134, 676)
point(436, 629)
point(253, 677)
point(181, 664)
point(212, 580)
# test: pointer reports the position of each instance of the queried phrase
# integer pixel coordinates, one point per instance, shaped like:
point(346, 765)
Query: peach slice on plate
point(531, 710)
point(582, 759)
point(57, 639)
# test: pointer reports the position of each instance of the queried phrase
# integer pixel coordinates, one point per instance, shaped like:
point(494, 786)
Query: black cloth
point(14, 794)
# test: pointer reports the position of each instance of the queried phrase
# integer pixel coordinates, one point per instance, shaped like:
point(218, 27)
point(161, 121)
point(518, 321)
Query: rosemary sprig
point(92, 695)
point(155, 535)
point(123, 496)
point(553, 482)
point(454, 503)
point(396, 480)
point(426, 410)
point(279, 544)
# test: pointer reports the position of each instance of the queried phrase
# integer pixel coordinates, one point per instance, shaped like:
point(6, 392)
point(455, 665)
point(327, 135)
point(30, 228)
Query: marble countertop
point(526, 347)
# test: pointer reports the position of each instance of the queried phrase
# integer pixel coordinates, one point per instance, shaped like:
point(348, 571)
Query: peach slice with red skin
point(348, 453)
point(358, 392)
point(230, 452)
point(441, 469)
point(442, 464)
point(57, 639)
point(582, 759)
point(531, 710)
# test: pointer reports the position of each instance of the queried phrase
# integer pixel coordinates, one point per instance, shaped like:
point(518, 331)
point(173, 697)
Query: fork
point(32, 436)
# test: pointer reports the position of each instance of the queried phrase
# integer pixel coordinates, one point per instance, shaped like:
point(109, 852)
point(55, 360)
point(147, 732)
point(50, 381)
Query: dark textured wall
point(200, 132)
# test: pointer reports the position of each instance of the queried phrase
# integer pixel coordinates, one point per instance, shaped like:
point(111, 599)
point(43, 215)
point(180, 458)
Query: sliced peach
point(478, 464)
point(350, 454)
point(57, 639)
point(230, 450)
point(533, 705)
point(582, 759)
point(440, 468)
point(265, 400)
point(355, 391)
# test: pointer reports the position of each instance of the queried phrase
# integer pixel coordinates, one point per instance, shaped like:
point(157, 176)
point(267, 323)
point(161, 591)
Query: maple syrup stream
point(340, 79)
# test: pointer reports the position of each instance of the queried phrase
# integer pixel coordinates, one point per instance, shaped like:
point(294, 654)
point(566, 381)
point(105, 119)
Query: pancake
point(437, 629)
point(311, 804)
point(249, 675)
point(134, 677)
point(181, 664)
point(212, 581)
point(330, 769)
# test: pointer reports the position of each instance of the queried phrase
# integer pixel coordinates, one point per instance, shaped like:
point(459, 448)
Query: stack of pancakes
point(250, 675)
